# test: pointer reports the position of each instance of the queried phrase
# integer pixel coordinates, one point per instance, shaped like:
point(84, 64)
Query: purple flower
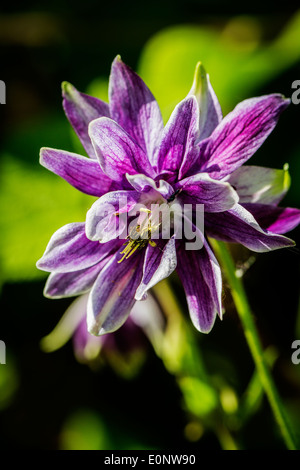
point(195, 159)
point(124, 350)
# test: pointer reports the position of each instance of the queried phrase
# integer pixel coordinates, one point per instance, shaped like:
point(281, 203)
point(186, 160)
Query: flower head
point(141, 170)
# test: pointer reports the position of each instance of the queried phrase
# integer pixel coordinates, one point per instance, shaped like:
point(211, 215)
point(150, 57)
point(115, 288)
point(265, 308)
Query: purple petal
point(240, 134)
point(210, 109)
point(81, 109)
point(239, 226)
point(67, 325)
point(178, 139)
point(142, 183)
point(257, 184)
point(86, 346)
point(159, 263)
point(273, 218)
point(60, 285)
point(81, 172)
point(112, 296)
point(148, 316)
point(217, 196)
point(118, 154)
point(134, 107)
point(107, 218)
point(70, 250)
point(201, 277)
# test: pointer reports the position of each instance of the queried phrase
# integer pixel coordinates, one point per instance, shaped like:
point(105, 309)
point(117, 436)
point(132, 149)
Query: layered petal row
point(240, 134)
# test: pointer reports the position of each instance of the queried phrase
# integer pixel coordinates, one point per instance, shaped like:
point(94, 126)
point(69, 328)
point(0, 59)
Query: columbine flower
point(134, 159)
point(124, 350)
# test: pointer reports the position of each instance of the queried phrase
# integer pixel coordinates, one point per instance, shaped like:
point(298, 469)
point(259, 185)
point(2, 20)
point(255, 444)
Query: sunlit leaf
point(236, 58)
point(84, 430)
point(199, 397)
point(34, 203)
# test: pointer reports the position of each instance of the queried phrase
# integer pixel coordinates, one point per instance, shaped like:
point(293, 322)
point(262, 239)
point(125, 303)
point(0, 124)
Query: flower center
point(140, 234)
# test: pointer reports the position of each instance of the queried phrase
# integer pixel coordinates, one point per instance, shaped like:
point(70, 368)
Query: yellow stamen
point(144, 209)
point(131, 247)
point(139, 236)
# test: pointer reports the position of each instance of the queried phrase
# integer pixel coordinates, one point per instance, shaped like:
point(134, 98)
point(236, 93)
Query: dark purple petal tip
point(81, 109)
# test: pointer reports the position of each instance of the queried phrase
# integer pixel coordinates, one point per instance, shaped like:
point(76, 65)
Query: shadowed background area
point(50, 400)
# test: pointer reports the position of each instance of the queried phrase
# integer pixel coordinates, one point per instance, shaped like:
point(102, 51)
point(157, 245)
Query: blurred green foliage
point(34, 202)
point(237, 59)
point(9, 383)
point(83, 430)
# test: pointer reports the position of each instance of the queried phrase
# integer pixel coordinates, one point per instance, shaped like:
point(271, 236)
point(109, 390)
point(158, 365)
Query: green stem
point(181, 356)
point(252, 337)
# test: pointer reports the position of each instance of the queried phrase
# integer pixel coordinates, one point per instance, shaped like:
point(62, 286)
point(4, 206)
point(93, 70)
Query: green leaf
point(9, 382)
point(34, 204)
point(199, 397)
point(237, 61)
point(84, 430)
